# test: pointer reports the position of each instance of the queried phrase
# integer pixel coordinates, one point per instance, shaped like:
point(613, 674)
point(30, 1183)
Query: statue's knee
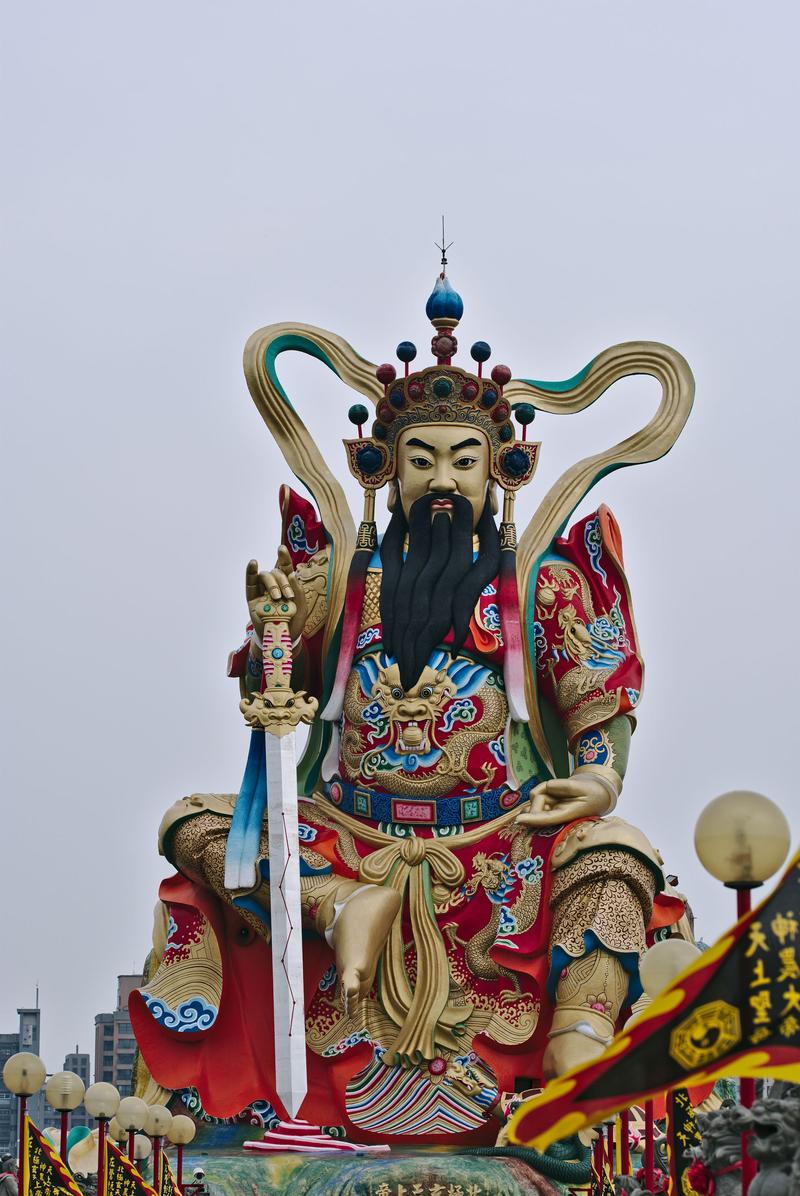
point(196, 847)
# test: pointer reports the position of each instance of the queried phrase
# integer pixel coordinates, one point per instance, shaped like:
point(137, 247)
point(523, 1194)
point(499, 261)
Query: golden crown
point(443, 393)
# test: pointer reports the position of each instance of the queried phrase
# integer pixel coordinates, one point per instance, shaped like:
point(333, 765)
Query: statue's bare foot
point(359, 936)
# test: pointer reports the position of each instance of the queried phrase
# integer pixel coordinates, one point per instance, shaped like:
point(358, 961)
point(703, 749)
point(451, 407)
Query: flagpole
point(610, 1148)
point(649, 1157)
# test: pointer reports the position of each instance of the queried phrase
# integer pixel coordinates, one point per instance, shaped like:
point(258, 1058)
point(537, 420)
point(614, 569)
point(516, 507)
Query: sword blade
point(287, 938)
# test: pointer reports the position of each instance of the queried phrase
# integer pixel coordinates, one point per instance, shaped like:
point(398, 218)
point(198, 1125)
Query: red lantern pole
point(132, 1145)
point(156, 1159)
point(64, 1131)
point(610, 1148)
point(625, 1141)
point(179, 1167)
point(23, 1160)
point(598, 1158)
point(747, 1085)
point(101, 1156)
point(649, 1154)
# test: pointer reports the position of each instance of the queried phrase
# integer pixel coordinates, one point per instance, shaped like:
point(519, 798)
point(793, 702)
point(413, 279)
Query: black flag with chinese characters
point(734, 1012)
point(168, 1185)
point(682, 1135)
point(121, 1177)
point(46, 1173)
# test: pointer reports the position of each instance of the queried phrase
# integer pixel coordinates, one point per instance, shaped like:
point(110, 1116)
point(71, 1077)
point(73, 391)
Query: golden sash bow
point(426, 1019)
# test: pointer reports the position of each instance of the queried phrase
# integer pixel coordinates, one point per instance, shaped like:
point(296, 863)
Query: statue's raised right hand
point(277, 583)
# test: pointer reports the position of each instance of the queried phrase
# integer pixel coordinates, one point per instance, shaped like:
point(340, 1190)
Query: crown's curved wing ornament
point(650, 442)
point(301, 454)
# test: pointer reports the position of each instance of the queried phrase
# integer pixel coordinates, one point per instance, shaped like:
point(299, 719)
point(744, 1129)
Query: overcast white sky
point(175, 176)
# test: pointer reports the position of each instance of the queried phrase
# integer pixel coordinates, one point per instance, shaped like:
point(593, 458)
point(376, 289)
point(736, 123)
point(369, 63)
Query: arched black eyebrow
point(421, 444)
point(472, 442)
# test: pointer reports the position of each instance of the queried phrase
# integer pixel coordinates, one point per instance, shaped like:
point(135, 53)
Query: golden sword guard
point(278, 709)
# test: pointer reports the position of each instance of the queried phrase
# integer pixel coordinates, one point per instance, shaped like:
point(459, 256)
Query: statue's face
point(443, 459)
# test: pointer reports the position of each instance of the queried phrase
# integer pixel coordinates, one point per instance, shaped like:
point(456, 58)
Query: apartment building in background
point(114, 1044)
point(26, 1038)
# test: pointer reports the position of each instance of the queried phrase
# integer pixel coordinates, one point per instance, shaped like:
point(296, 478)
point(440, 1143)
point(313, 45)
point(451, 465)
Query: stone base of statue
point(423, 1173)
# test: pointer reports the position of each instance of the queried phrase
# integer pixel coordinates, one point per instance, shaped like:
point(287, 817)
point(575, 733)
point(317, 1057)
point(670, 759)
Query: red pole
point(674, 1146)
point(610, 1147)
point(625, 1144)
point(64, 1125)
point(649, 1156)
point(132, 1145)
point(101, 1156)
point(156, 1159)
point(23, 1108)
point(599, 1153)
point(747, 1085)
point(179, 1167)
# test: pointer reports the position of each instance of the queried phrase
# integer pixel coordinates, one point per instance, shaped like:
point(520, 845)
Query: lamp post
point(101, 1101)
point(23, 1074)
point(180, 1133)
point(658, 967)
point(131, 1115)
point(156, 1126)
point(64, 1091)
point(742, 838)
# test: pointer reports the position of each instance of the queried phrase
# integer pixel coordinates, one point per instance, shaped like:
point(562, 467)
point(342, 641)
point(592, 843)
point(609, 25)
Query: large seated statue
point(473, 908)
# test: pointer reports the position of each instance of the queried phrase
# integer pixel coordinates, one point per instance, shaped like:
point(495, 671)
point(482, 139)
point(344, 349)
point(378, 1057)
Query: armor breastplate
point(443, 737)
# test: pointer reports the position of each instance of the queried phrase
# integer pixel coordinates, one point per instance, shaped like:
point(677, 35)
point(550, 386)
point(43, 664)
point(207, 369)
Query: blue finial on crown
point(445, 307)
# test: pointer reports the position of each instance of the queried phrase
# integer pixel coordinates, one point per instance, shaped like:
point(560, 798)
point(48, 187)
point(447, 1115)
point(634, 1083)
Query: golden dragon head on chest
point(412, 713)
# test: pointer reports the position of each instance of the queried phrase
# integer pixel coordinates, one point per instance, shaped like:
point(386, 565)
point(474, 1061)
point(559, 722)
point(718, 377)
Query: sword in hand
point(277, 711)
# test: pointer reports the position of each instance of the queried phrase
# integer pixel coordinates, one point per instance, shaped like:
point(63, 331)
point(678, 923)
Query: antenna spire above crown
point(443, 248)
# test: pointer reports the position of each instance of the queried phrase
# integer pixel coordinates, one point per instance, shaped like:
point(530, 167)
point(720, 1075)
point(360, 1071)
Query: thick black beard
point(438, 584)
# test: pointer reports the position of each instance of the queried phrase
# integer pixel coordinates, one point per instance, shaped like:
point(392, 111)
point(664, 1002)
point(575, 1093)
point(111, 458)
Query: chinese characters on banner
point(773, 972)
point(122, 1178)
point(734, 1012)
point(46, 1174)
point(682, 1135)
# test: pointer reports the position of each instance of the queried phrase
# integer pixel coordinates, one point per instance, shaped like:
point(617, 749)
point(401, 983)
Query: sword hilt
point(277, 708)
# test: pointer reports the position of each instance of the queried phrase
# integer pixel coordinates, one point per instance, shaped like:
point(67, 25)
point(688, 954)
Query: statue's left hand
point(554, 803)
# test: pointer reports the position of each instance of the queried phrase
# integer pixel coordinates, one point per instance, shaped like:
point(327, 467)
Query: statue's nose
point(411, 709)
point(443, 481)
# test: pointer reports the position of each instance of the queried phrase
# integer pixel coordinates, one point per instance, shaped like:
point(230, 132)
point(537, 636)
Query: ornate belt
point(434, 811)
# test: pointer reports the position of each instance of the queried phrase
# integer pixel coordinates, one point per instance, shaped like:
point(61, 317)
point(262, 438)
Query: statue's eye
point(465, 462)
point(421, 462)
point(397, 691)
point(426, 691)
